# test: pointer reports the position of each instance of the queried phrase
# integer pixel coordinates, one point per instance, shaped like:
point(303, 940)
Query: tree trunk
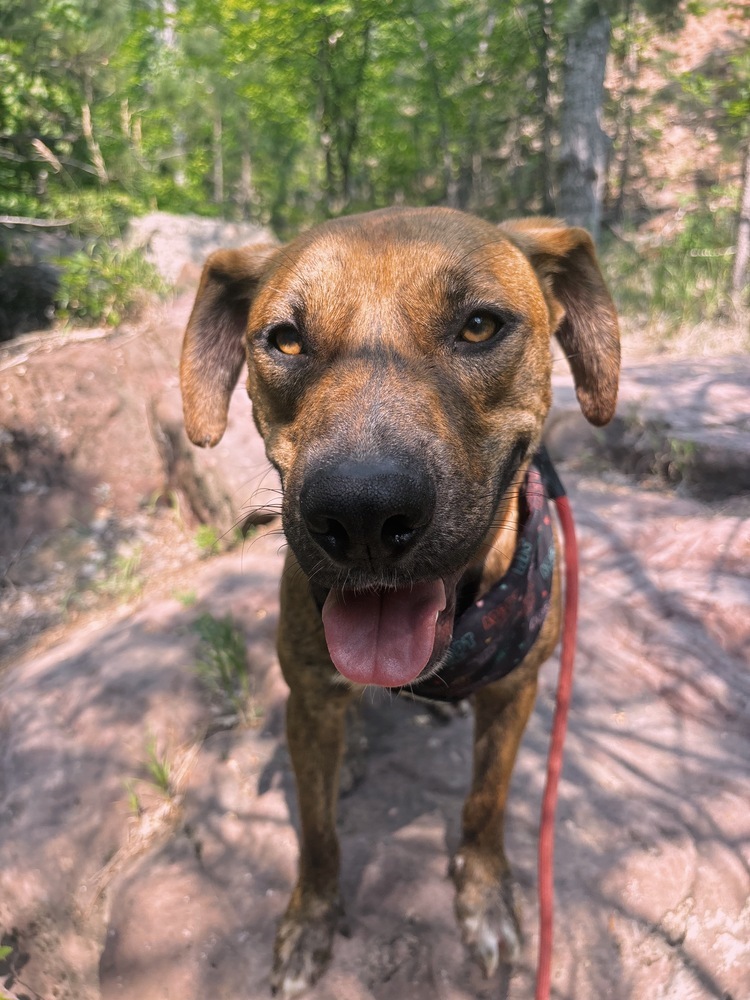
point(350, 126)
point(626, 112)
point(218, 155)
point(583, 143)
point(741, 270)
point(168, 32)
point(450, 181)
point(245, 193)
point(543, 45)
point(326, 117)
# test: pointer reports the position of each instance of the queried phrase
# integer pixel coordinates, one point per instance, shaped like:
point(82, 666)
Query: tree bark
point(245, 192)
point(543, 45)
point(626, 112)
point(341, 84)
point(218, 156)
point(168, 32)
point(741, 269)
point(450, 180)
point(583, 143)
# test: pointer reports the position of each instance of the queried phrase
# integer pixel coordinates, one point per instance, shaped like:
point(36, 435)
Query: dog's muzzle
point(367, 517)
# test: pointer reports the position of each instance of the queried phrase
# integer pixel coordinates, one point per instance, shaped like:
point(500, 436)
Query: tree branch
point(21, 220)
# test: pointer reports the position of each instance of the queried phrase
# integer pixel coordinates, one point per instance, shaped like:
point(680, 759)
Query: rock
point(230, 485)
point(27, 298)
point(171, 242)
point(686, 421)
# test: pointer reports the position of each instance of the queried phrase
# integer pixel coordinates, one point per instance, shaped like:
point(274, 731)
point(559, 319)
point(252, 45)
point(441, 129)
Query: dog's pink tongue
point(383, 638)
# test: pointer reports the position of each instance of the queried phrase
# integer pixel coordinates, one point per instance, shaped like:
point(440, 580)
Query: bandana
point(493, 636)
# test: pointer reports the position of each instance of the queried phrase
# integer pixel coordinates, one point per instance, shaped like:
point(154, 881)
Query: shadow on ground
point(653, 837)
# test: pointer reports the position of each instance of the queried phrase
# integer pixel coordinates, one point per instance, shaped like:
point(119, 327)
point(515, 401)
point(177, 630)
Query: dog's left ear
point(213, 350)
point(583, 314)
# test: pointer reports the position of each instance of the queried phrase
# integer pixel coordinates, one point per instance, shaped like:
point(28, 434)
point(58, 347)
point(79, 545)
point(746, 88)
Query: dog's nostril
point(318, 523)
point(330, 534)
point(397, 532)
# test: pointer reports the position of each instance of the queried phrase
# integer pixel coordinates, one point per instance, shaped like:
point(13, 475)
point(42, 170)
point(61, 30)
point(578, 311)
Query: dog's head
point(399, 366)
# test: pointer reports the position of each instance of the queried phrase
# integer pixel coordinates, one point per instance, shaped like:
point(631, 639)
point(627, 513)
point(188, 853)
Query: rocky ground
point(147, 825)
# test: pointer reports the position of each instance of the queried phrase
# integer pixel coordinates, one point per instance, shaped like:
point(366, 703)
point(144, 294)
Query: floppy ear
point(213, 349)
point(583, 314)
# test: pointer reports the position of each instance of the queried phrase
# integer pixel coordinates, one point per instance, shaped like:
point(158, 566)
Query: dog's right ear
point(213, 349)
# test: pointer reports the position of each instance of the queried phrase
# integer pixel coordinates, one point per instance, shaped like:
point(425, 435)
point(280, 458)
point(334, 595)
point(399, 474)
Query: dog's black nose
point(367, 511)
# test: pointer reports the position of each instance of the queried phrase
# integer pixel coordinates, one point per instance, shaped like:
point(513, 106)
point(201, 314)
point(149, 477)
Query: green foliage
point(158, 768)
point(104, 284)
point(211, 542)
point(681, 280)
point(282, 113)
point(187, 598)
point(93, 213)
point(222, 666)
point(134, 800)
point(123, 580)
point(5, 953)
point(207, 539)
point(288, 113)
point(720, 92)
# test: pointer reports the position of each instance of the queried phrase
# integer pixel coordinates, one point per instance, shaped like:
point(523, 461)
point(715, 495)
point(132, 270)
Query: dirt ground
point(115, 883)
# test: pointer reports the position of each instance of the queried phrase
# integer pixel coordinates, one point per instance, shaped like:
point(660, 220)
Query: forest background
point(631, 117)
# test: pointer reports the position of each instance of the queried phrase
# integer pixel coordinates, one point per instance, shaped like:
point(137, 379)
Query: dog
point(399, 365)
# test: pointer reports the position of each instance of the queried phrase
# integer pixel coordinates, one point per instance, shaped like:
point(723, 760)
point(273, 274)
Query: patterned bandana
point(495, 633)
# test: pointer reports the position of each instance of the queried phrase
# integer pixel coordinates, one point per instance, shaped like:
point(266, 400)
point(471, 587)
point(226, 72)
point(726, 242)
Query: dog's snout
point(367, 511)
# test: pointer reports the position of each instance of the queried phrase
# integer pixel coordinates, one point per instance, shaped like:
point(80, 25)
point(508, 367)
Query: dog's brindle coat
point(399, 367)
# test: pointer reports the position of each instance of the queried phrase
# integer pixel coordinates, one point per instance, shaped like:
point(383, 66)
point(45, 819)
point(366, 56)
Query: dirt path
point(146, 853)
point(653, 841)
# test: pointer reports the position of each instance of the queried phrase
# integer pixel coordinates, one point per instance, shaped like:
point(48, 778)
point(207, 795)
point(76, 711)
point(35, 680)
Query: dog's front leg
point(315, 732)
point(316, 713)
point(485, 907)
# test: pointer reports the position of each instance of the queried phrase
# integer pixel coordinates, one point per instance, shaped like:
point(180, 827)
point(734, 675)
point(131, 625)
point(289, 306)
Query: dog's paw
point(304, 942)
point(487, 913)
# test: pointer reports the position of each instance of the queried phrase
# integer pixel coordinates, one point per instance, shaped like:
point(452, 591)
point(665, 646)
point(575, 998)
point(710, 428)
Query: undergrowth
point(104, 284)
point(681, 278)
point(222, 666)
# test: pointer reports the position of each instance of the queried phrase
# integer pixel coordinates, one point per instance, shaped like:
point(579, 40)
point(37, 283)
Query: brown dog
point(399, 367)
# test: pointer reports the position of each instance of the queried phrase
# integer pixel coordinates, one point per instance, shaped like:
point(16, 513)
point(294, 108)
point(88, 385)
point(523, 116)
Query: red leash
point(554, 762)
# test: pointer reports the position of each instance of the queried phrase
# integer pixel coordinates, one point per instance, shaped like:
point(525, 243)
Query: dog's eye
point(480, 327)
point(287, 340)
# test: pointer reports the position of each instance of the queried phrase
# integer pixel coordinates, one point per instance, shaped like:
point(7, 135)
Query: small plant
point(679, 459)
point(207, 539)
point(124, 581)
point(6, 969)
point(169, 499)
point(187, 598)
point(158, 767)
point(222, 666)
point(104, 284)
point(134, 799)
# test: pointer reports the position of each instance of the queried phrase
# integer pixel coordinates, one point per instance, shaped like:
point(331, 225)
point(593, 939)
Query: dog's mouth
point(390, 637)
